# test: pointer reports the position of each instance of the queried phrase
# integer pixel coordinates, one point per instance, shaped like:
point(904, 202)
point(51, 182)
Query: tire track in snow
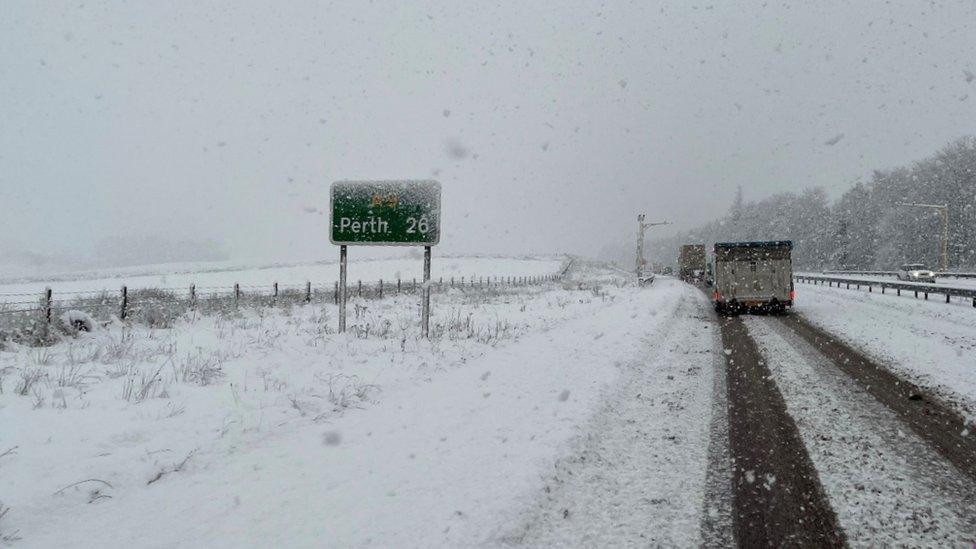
point(637, 477)
point(778, 499)
point(888, 487)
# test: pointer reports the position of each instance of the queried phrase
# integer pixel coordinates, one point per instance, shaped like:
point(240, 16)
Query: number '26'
point(415, 225)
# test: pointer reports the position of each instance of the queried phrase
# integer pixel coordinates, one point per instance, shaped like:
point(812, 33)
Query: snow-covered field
point(932, 343)
point(266, 428)
point(320, 274)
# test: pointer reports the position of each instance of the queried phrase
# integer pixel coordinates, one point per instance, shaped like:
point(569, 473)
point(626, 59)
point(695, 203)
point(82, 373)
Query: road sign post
point(425, 311)
point(385, 213)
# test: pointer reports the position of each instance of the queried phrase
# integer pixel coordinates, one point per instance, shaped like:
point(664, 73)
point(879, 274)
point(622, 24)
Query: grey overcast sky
point(549, 124)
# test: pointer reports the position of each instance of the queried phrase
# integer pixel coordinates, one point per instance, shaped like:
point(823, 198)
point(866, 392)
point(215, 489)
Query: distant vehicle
point(753, 276)
point(915, 272)
point(668, 271)
point(691, 262)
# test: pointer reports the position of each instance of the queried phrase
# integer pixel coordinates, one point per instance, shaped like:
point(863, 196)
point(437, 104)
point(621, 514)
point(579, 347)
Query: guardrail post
point(237, 294)
point(398, 285)
point(359, 290)
point(414, 285)
point(381, 288)
point(125, 302)
point(274, 295)
point(308, 291)
point(926, 295)
point(193, 296)
point(898, 291)
point(947, 298)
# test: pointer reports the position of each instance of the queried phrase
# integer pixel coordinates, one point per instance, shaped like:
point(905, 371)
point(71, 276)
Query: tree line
point(867, 228)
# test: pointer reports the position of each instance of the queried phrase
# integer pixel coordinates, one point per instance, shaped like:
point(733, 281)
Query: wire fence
point(37, 319)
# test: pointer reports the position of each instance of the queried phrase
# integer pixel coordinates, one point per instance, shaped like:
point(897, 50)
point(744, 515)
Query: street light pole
point(641, 227)
point(943, 210)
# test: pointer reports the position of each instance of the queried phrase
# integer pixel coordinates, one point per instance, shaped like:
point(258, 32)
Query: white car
point(915, 272)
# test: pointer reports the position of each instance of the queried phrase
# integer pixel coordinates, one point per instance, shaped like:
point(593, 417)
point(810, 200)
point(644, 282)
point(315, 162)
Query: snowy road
point(886, 484)
point(929, 342)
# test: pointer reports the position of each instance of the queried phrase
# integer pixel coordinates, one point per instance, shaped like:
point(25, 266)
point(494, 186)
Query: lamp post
point(641, 227)
point(943, 210)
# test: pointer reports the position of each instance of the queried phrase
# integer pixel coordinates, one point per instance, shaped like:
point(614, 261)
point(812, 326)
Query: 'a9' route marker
point(385, 213)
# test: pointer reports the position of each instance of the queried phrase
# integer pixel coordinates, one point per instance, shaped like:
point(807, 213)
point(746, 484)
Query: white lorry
point(753, 276)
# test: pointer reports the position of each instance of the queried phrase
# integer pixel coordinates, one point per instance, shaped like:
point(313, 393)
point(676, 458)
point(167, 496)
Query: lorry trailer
point(753, 276)
point(691, 262)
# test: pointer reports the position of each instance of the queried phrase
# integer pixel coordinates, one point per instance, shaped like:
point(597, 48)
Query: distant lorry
point(691, 262)
point(753, 275)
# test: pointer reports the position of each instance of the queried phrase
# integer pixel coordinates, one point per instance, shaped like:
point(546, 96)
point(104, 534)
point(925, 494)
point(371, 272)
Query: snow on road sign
point(386, 213)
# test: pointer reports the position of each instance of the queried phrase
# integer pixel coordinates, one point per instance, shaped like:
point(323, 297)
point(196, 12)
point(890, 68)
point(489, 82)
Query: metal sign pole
point(342, 289)
point(425, 312)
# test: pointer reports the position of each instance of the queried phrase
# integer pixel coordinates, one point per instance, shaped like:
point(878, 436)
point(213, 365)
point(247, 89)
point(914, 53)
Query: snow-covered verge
point(636, 474)
point(266, 428)
point(930, 342)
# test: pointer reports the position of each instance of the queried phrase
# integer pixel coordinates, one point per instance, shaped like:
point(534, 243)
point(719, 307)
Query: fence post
point(308, 291)
point(237, 294)
point(125, 302)
point(381, 288)
point(415, 284)
point(193, 296)
point(274, 297)
point(398, 285)
point(336, 293)
point(47, 304)
point(452, 281)
point(359, 290)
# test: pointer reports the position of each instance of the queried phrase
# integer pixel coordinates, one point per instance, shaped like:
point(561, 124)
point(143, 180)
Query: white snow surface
point(930, 342)
point(268, 429)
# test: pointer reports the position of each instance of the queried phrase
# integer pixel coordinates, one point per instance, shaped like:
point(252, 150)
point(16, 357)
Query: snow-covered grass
point(930, 342)
point(264, 426)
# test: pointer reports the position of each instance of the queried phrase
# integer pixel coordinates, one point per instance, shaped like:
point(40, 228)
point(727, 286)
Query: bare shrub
point(29, 376)
point(175, 468)
point(118, 348)
point(345, 390)
point(6, 536)
point(199, 369)
point(147, 386)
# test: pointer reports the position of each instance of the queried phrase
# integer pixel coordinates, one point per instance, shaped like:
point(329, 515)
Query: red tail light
point(792, 295)
point(716, 296)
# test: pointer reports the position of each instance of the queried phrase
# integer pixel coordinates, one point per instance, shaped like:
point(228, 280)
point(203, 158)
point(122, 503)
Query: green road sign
point(386, 213)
